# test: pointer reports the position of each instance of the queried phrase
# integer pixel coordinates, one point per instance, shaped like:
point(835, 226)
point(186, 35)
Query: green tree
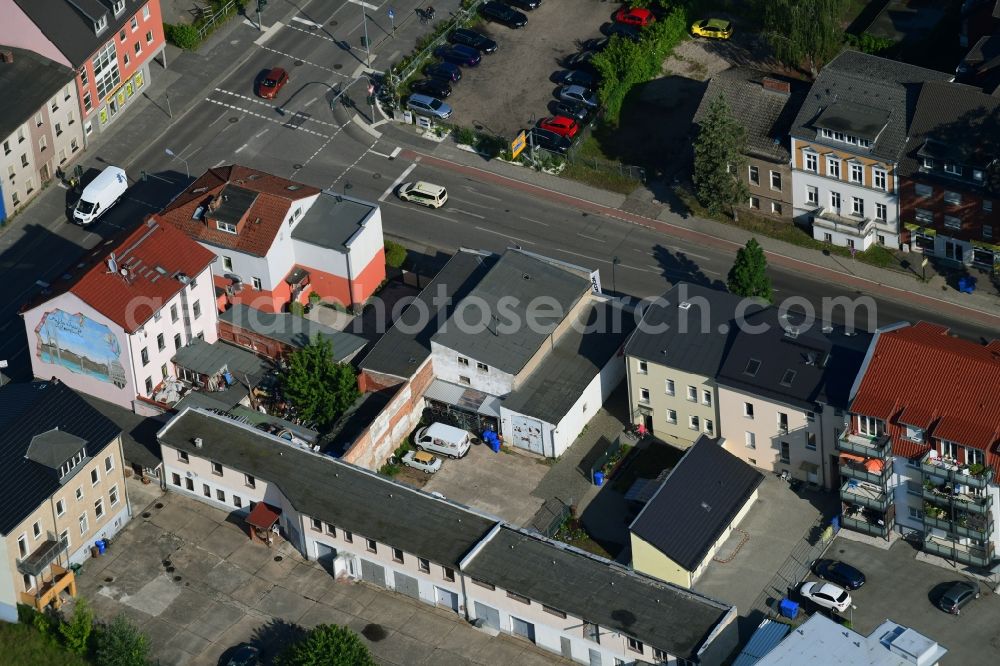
point(76, 632)
point(182, 35)
point(320, 388)
point(395, 253)
point(804, 30)
point(748, 276)
point(327, 645)
point(718, 159)
point(121, 644)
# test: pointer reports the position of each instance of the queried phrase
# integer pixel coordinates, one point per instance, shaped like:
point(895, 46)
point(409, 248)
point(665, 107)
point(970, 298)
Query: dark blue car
point(839, 573)
point(457, 54)
point(444, 71)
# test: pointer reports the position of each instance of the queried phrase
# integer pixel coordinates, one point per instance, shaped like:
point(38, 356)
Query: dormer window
point(953, 169)
point(977, 175)
point(228, 227)
point(100, 25)
point(119, 6)
point(72, 463)
point(914, 434)
point(928, 163)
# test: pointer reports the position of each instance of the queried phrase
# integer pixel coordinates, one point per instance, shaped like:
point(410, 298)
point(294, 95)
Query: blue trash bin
point(598, 478)
point(788, 608)
point(101, 546)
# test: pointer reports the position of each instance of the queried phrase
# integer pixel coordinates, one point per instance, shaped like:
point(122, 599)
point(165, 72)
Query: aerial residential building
point(108, 43)
point(363, 527)
point(920, 454)
point(981, 65)
point(278, 241)
point(846, 144)
point(39, 127)
point(947, 188)
point(112, 325)
point(63, 489)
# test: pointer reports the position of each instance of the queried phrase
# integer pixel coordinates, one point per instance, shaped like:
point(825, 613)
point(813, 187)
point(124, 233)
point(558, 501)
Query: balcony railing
point(963, 502)
point(978, 556)
point(870, 447)
point(859, 472)
point(962, 526)
point(864, 494)
point(949, 471)
point(862, 525)
point(45, 554)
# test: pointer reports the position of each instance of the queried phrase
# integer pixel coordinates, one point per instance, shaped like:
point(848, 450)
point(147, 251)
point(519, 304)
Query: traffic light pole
point(260, 7)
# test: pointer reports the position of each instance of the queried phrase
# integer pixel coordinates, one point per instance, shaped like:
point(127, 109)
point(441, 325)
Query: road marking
point(480, 194)
point(528, 219)
point(310, 101)
point(240, 148)
point(267, 33)
point(261, 133)
point(220, 163)
point(465, 212)
point(366, 5)
point(303, 21)
point(271, 120)
point(395, 183)
point(478, 205)
point(499, 233)
point(593, 238)
point(289, 55)
point(354, 163)
point(422, 211)
point(280, 110)
point(395, 152)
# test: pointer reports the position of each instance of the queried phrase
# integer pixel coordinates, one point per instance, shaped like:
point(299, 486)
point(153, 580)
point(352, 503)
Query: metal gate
point(446, 598)
point(522, 628)
point(407, 585)
point(325, 555)
point(595, 657)
point(373, 573)
point(527, 433)
point(565, 647)
point(489, 615)
point(475, 423)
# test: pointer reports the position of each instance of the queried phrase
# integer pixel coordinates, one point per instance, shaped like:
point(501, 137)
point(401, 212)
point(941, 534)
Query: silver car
point(578, 94)
point(425, 462)
point(428, 106)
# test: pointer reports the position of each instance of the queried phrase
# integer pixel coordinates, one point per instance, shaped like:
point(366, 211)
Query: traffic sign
point(517, 145)
point(391, 13)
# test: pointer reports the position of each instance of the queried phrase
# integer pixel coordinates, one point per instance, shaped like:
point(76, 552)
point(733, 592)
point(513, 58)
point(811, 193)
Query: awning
point(852, 456)
point(297, 276)
point(808, 466)
point(490, 407)
point(874, 465)
point(263, 515)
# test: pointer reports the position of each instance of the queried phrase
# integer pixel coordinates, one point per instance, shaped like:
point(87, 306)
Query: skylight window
point(788, 378)
point(753, 365)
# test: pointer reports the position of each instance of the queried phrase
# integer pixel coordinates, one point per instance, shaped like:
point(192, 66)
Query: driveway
point(195, 584)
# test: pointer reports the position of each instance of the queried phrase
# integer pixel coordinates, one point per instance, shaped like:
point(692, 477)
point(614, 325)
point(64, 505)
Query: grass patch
point(588, 175)
point(571, 532)
point(23, 645)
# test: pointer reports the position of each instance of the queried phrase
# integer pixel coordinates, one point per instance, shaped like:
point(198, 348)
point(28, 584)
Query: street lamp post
point(187, 169)
point(614, 262)
point(368, 52)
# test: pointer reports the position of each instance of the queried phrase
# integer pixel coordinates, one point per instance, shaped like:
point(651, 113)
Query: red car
point(638, 16)
point(272, 82)
point(560, 125)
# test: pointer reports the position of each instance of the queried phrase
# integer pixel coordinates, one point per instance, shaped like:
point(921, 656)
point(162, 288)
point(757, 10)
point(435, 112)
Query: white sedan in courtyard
point(425, 462)
point(827, 595)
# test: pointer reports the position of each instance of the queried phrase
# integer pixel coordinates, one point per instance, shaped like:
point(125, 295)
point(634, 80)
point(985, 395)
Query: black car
point(503, 14)
point(527, 5)
point(839, 573)
point(458, 55)
point(621, 30)
point(471, 38)
point(958, 595)
point(432, 87)
point(444, 70)
point(577, 112)
point(551, 141)
point(575, 77)
point(582, 60)
point(595, 44)
point(244, 655)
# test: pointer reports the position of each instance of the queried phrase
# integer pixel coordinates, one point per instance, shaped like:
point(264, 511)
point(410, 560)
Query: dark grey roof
point(343, 495)
point(862, 86)
point(139, 445)
point(862, 121)
point(985, 52)
point(30, 409)
point(332, 220)
point(26, 85)
point(556, 384)
point(401, 350)
point(669, 335)
point(292, 330)
point(232, 204)
point(519, 278)
point(794, 365)
point(658, 614)
point(765, 114)
point(696, 503)
point(210, 359)
point(70, 24)
point(54, 447)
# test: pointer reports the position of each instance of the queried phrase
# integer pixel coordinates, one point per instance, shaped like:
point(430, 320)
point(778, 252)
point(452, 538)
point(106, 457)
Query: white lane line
point(366, 5)
point(475, 205)
point(354, 163)
point(303, 21)
point(593, 238)
point(395, 152)
point(220, 163)
point(375, 152)
point(289, 55)
point(310, 101)
point(240, 148)
point(606, 261)
point(272, 120)
point(262, 132)
point(420, 210)
point(266, 35)
point(395, 183)
point(465, 212)
point(314, 34)
point(480, 194)
point(528, 219)
point(288, 113)
point(499, 233)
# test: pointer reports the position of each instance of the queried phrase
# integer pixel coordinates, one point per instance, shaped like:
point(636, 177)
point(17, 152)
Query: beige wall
point(845, 155)
point(650, 560)
point(763, 190)
point(680, 433)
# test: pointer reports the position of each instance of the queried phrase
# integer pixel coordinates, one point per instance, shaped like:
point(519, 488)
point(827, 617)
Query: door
point(565, 647)
point(407, 585)
point(595, 657)
point(446, 598)
point(325, 555)
point(522, 628)
point(527, 433)
point(489, 615)
point(373, 573)
point(953, 251)
point(647, 422)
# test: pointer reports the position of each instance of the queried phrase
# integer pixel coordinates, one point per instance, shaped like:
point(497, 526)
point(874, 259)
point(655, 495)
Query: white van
point(444, 439)
point(423, 193)
point(101, 194)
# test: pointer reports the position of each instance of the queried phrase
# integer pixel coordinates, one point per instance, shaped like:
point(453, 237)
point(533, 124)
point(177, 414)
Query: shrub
point(297, 309)
point(868, 43)
point(329, 645)
point(395, 254)
point(182, 35)
point(121, 644)
point(464, 135)
point(76, 632)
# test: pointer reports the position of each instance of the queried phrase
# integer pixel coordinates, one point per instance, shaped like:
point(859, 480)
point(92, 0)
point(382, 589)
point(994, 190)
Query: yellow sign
point(923, 263)
point(517, 145)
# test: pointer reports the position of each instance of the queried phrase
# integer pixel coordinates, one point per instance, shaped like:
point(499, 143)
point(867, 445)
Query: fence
point(209, 22)
point(610, 449)
point(459, 18)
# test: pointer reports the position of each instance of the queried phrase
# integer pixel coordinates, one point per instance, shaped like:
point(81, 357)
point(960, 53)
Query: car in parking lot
point(428, 106)
point(826, 595)
point(472, 39)
point(958, 595)
point(244, 655)
point(425, 462)
point(444, 439)
point(431, 87)
point(579, 95)
point(272, 83)
point(578, 112)
point(712, 28)
point(575, 77)
point(457, 54)
point(638, 16)
point(527, 5)
point(595, 44)
point(561, 125)
point(443, 70)
point(423, 193)
point(840, 573)
point(583, 59)
point(548, 140)
point(622, 30)
point(503, 14)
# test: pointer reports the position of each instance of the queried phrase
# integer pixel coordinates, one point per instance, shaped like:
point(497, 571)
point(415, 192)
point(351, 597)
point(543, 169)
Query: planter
point(146, 481)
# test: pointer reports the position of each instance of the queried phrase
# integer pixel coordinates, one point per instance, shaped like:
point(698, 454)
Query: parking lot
point(511, 89)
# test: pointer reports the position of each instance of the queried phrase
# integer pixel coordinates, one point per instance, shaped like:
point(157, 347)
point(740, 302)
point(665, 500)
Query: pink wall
point(18, 30)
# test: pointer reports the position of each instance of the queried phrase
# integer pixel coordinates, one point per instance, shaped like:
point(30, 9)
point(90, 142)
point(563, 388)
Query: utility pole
point(368, 53)
point(260, 7)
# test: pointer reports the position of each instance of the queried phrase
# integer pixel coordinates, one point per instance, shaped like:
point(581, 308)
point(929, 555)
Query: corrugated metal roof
point(767, 636)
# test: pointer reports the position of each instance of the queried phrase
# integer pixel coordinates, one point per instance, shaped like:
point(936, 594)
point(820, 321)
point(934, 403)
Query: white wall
point(840, 238)
point(367, 242)
point(587, 405)
point(246, 266)
point(446, 367)
point(322, 258)
point(8, 587)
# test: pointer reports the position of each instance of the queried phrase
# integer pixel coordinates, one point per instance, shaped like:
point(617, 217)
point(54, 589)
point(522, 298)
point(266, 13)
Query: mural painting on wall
point(80, 345)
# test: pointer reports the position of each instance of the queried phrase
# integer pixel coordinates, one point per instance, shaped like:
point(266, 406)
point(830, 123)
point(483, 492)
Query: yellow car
point(713, 28)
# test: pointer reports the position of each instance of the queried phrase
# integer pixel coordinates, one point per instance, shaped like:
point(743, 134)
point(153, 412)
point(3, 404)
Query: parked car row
point(439, 438)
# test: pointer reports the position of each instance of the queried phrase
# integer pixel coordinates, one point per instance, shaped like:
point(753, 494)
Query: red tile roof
point(153, 255)
point(921, 376)
point(270, 206)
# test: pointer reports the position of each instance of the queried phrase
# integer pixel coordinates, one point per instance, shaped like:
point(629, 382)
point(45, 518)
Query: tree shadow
point(273, 637)
point(676, 266)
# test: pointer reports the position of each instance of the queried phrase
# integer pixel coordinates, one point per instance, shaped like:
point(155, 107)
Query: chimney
point(198, 443)
point(776, 85)
point(6, 56)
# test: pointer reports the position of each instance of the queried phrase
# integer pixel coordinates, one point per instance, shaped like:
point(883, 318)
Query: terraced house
point(920, 453)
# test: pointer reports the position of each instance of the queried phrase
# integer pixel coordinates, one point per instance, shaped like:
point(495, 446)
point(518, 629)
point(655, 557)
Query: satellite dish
point(112, 264)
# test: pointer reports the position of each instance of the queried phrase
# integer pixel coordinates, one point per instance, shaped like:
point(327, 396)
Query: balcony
point(974, 476)
point(866, 471)
point(977, 556)
point(864, 494)
point(964, 525)
point(945, 496)
point(48, 592)
point(45, 554)
point(864, 526)
point(869, 447)
point(850, 225)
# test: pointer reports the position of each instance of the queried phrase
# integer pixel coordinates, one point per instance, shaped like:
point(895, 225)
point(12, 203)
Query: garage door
point(407, 585)
point(446, 598)
point(325, 555)
point(522, 628)
point(373, 573)
point(490, 616)
point(527, 433)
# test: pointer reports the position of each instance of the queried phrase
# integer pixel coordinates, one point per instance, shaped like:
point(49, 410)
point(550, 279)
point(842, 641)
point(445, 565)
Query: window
point(987, 232)
point(317, 526)
point(227, 263)
point(463, 361)
point(828, 238)
point(953, 198)
point(776, 208)
point(113, 495)
point(149, 36)
point(6, 147)
point(754, 176)
point(644, 396)
point(173, 313)
point(61, 506)
point(24, 159)
point(216, 469)
point(857, 172)
point(924, 215)
point(987, 206)
point(22, 545)
point(659, 655)
point(449, 574)
point(38, 119)
point(99, 508)
point(672, 416)
point(121, 35)
point(835, 202)
point(482, 367)
point(592, 632)
point(237, 501)
point(923, 191)
point(144, 355)
point(753, 365)
point(782, 422)
point(190, 484)
point(95, 477)
point(196, 309)
point(249, 481)
point(20, 135)
point(748, 410)
point(255, 281)
point(64, 536)
point(709, 427)
point(348, 537)
point(160, 344)
point(977, 175)
point(812, 194)
point(776, 180)
point(915, 513)
point(694, 423)
point(205, 490)
point(397, 555)
point(106, 74)
point(424, 566)
point(84, 524)
point(137, 48)
point(949, 449)
point(371, 546)
point(669, 387)
point(878, 179)
point(953, 169)
point(786, 453)
point(833, 167)
point(850, 243)
point(751, 440)
point(811, 162)
point(755, 203)
point(858, 206)
point(643, 368)
point(134, 24)
point(634, 645)
point(42, 144)
point(145, 12)
point(331, 530)
point(811, 441)
point(952, 222)
point(176, 479)
point(553, 611)
point(880, 212)
point(518, 597)
point(706, 398)
point(692, 394)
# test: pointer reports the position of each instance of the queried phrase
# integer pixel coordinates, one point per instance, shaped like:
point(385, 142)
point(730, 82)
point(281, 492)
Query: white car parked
point(444, 439)
point(425, 462)
point(827, 595)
